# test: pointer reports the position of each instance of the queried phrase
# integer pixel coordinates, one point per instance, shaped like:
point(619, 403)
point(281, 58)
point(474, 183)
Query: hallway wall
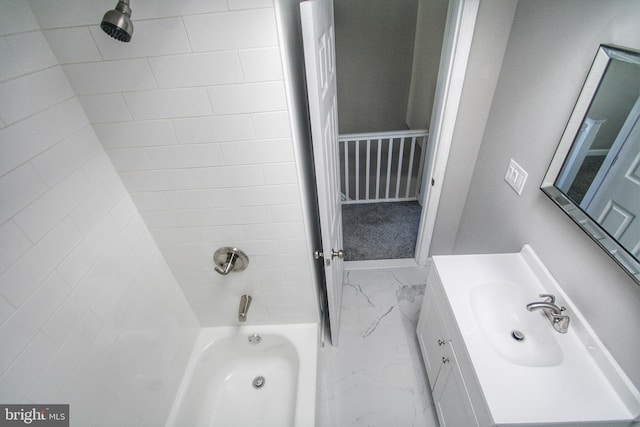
point(192, 113)
point(431, 20)
point(90, 314)
point(374, 53)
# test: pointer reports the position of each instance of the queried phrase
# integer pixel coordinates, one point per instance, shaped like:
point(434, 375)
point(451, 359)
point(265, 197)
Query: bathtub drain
point(517, 335)
point(258, 382)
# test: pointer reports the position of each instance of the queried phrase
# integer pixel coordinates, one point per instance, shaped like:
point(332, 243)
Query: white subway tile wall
point(193, 115)
point(90, 313)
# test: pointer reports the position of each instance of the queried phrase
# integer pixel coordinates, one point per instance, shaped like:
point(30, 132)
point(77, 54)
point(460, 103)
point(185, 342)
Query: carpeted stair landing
point(380, 230)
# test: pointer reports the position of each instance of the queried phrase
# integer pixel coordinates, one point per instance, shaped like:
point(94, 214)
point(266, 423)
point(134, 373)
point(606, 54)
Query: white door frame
point(461, 21)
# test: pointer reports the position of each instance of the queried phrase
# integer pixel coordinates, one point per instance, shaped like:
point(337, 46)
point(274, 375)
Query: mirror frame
point(606, 53)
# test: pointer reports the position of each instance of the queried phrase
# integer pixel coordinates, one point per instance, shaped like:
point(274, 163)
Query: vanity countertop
point(582, 384)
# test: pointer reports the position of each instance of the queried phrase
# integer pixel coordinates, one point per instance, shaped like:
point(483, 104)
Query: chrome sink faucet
point(559, 321)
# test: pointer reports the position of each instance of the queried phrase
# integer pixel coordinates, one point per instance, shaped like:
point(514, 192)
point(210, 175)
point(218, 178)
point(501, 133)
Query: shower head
point(117, 22)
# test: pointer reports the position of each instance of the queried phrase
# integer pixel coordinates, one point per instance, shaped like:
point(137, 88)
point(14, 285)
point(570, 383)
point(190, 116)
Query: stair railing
point(382, 166)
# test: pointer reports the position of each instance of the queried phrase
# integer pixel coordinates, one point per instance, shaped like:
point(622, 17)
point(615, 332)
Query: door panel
point(616, 202)
point(319, 51)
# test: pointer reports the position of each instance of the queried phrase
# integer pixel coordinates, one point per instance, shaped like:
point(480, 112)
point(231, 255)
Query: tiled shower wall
point(193, 115)
point(90, 314)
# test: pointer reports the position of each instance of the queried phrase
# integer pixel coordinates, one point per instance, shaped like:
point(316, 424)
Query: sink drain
point(255, 339)
point(517, 335)
point(258, 382)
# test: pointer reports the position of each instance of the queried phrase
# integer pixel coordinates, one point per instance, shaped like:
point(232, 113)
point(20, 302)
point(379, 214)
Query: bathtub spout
point(245, 302)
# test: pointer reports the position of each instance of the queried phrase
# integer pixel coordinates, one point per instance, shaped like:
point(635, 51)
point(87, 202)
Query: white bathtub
point(217, 388)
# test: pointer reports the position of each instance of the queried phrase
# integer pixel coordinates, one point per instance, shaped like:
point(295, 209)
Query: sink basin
point(516, 334)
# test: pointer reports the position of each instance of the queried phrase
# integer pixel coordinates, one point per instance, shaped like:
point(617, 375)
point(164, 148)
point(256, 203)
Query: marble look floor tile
point(375, 376)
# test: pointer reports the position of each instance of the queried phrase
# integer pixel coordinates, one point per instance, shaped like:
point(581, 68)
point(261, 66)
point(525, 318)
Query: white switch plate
point(515, 176)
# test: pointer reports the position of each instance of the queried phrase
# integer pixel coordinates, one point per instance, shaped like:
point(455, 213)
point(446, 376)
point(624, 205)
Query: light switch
point(515, 176)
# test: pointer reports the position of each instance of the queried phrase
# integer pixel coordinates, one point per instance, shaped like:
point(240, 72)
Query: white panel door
point(319, 51)
point(616, 203)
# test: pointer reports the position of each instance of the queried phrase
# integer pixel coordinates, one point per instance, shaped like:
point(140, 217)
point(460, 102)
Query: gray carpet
point(380, 230)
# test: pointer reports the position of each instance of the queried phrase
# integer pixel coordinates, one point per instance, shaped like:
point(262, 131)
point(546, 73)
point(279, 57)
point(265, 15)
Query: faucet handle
point(550, 298)
point(229, 260)
point(561, 323)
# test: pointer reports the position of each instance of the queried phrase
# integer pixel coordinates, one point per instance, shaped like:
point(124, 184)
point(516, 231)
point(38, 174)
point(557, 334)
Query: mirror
point(594, 176)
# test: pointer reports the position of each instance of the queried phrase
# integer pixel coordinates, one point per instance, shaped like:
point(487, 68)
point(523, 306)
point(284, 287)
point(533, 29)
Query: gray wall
point(374, 52)
point(431, 20)
point(485, 59)
point(550, 49)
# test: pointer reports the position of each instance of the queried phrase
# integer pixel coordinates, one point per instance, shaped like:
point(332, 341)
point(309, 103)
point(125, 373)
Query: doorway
point(461, 18)
point(387, 56)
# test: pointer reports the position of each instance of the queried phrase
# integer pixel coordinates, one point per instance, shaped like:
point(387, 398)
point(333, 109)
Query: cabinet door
point(451, 397)
point(432, 336)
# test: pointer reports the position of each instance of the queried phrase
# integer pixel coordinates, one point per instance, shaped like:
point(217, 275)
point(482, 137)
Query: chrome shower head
point(117, 22)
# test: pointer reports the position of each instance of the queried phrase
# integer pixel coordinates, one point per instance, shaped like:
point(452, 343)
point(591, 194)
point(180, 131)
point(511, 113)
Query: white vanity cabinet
point(434, 339)
point(492, 362)
point(448, 387)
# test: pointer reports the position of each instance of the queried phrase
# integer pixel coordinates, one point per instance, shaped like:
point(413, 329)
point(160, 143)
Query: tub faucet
point(245, 302)
point(559, 321)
